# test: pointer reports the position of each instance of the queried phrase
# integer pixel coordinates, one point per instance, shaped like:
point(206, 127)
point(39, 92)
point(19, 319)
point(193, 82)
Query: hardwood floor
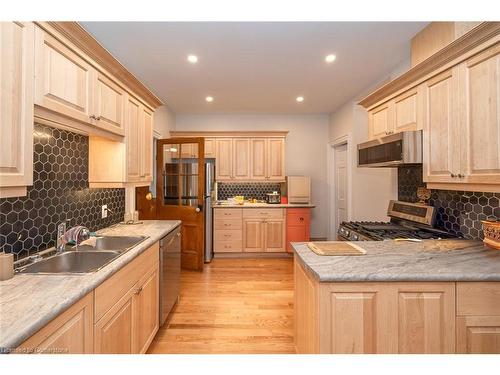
point(233, 306)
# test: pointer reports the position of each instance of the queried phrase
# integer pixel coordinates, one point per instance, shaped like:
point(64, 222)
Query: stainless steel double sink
point(84, 258)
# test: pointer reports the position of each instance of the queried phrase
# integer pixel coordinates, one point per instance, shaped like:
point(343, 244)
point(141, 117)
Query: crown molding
point(80, 37)
point(221, 134)
point(452, 53)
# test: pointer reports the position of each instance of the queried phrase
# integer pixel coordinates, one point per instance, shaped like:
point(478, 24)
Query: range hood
point(403, 148)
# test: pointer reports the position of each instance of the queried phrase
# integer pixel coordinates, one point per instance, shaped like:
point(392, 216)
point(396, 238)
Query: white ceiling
point(251, 67)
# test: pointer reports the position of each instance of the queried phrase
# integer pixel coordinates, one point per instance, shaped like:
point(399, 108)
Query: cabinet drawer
point(228, 246)
point(228, 224)
point(227, 213)
point(301, 218)
point(478, 298)
point(228, 235)
point(257, 213)
point(114, 288)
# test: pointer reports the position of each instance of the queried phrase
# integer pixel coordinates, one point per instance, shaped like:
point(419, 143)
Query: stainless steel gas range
point(409, 221)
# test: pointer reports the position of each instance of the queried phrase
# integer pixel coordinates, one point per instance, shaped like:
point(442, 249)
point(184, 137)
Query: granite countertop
point(260, 205)
point(429, 260)
point(29, 301)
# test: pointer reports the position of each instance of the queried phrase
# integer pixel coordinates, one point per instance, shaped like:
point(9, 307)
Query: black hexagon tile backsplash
point(60, 192)
point(257, 190)
point(458, 212)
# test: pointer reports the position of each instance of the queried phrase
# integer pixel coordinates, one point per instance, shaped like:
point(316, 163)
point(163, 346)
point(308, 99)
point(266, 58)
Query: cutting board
point(339, 248)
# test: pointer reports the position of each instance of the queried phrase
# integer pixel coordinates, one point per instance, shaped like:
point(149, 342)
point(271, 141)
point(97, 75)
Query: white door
point(340, 184)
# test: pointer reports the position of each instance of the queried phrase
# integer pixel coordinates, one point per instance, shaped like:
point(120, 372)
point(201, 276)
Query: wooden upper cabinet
point(63, 79)
point(133, 135)
point(241, 158)
point(441, 137)
point(109, 104)
point(16, 107)
point(210, 148)
point(480, 96)
point(258, 165)
point(224, 155)
point(407, 111)
point(403, 113)
point(276, 159)
point(379, 121)
point(146, 143)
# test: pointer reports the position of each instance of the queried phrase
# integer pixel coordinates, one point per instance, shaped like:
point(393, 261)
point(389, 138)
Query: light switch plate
point(104, 211)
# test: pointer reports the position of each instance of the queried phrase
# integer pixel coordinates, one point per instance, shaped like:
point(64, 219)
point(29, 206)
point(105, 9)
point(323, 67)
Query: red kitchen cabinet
point(298, 224)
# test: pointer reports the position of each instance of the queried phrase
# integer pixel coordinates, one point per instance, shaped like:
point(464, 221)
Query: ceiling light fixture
point(330, 58)
point(193, 59)
point(300, 99)
point(209, 99)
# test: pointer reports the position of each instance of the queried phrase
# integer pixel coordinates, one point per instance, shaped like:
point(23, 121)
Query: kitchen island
point(31, 305)
point(434, 296)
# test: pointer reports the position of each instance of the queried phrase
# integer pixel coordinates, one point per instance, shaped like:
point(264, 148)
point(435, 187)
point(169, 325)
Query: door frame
point(332, 221)
point(160, 208)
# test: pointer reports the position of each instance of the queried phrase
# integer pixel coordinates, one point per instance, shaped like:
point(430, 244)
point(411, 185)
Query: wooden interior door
point(180, 189)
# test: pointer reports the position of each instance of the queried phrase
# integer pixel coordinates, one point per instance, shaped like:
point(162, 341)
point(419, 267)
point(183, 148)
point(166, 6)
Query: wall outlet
point(104, 211)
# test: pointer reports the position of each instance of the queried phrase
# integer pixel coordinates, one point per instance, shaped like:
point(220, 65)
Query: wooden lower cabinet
point(69, 333)
point(373, 317)
point(129, 325)
point(298, 224)
point(478, 334)
point(120, 316)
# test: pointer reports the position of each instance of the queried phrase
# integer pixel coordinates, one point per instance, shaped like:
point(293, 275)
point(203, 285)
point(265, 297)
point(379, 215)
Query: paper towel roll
point(6, 266)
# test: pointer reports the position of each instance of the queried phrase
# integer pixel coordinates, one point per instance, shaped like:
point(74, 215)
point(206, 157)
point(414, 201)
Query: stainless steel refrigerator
point(209, 187)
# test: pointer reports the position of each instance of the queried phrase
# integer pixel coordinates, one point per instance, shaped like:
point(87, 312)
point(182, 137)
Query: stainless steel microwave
point(395, 149)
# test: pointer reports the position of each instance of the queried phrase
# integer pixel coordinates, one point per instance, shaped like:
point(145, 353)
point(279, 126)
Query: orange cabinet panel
point(298, 224)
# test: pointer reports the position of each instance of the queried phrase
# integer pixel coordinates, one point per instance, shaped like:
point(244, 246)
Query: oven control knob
point(355, 237)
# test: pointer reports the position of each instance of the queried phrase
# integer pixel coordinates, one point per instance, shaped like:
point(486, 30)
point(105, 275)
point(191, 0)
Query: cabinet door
point(146, 305)
point(16, 103)
point(241, 159)
point(113, 333)
point(355, 319)
point(109, 103)
point(224, 155)
point(478, 334)
point(258, 166)
point(426, 318)
point(133, 131)
point(69, 333)
point(379, 121)
point(275, 234)
point(480, 96)
point(406, 113)
point(146, 145)
point(209, 147)
point(441, 137)
point(276, 159)
point(253, 235)
point(63, 80)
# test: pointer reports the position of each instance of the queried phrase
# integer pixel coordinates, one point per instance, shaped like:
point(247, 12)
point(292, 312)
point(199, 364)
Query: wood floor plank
point(233, 306)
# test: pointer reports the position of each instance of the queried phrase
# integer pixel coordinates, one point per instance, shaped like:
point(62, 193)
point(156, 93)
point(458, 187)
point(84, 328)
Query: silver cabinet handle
point(197, 209)
point(179, 234)
point(138, 290)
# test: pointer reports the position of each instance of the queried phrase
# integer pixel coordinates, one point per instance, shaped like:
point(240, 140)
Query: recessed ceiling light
point(193, 59)
point(209, 99)
point(330, 58)
point(300, 99)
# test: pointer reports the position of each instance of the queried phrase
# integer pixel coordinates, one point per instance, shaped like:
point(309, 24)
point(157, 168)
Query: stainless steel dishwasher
point(170, 272)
